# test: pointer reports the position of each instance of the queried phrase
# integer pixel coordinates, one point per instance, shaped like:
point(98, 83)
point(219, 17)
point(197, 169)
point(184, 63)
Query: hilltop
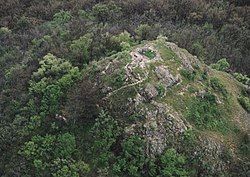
point(169, 98)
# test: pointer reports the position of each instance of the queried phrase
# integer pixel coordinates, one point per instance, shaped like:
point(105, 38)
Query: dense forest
point(69, 90)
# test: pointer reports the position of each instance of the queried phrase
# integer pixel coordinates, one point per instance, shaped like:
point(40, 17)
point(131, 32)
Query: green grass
point(149, 53)
point(205, 113)
point(166, 53)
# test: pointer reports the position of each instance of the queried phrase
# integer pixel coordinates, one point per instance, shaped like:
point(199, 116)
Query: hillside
point(170, 99)
point(151, 109)
point(131, 88)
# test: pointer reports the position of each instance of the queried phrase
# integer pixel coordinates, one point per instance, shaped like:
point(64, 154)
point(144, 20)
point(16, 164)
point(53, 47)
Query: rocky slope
point(164, 94)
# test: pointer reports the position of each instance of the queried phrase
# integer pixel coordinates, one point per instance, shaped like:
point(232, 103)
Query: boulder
point(165, 76)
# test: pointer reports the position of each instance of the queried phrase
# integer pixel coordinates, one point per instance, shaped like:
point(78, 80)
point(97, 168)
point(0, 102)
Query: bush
point(133, 157)
point(173, 164)
point(62, 17)
point(149, 53)
point(218, 86)
point(198, 50)
point(205, 113)
point(221, 65)
point(80, 49)
point(242, 78)
point(190, 75)
point(143, 32)
point(118, 79)
point(106, 12)
point(245, 102)
point(50, 101)
point(53, 154)
point(161, 89)
point(104, 133)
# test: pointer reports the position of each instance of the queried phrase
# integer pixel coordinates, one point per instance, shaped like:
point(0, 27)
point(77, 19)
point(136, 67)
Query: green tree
point(80, 49)
point(53, 155)
point(105, 132)
point(105, 12)
point(50, 101)
point(133, 157)
point(143, 32)
point(62, 17)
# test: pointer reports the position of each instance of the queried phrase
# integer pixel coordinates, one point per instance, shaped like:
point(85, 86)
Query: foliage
point(245, 102)
point(62, 17)
point(190, 75)
point(198, 50)
point(105, 12)
point(124, 40)
point(221, 65)
point(161, 89)
point(204, 112)
point(104, 132)
point(4, 31)
point(143, 32)
point(172, 164)
point(55, 71)
point(149, 53)
point(52, 154)
point(40, 45)
point(132, 158)
point(118, 79)
point(50, 101)
point(218, 86)
point(244, 146)
point(242, 78)
point(80, 48)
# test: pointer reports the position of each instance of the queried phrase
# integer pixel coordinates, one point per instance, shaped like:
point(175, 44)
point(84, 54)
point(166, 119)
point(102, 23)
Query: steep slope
point(167, 96)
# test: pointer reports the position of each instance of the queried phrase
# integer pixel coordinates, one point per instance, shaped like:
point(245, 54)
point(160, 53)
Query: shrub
point(149, 53)
point(55, 71)
point(143, 32)
point(80, 49)
point(198, 50)
point(192, 89)
point(190, 75)
point(62, 17)
point(245, 102)
point(218, 86)
point(205, 113)
point(23, 23)
point(82, 102)
point(104, 132)
point(50, 101)
point(221, 65)
point(161, 89)
point(53, 154)
point(118, 79)
point(132, 158)
point(242, 78)
point(172, 164)
point(4, 31)
point(105, 12)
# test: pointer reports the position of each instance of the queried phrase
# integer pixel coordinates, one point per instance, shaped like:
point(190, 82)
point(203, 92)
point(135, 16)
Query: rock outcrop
point(156, 90)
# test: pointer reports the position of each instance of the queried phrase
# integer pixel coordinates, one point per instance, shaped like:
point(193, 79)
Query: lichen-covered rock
point(210, 153)
point(186, 58)
point(165, 76)
point(159, 128)
point(150, 91)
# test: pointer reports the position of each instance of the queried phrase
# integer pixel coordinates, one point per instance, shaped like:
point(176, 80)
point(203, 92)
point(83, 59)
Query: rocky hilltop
point(172, 99)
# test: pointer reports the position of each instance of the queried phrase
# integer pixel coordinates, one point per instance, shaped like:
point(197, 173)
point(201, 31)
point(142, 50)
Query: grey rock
point(150, 91)
point(165, 76)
